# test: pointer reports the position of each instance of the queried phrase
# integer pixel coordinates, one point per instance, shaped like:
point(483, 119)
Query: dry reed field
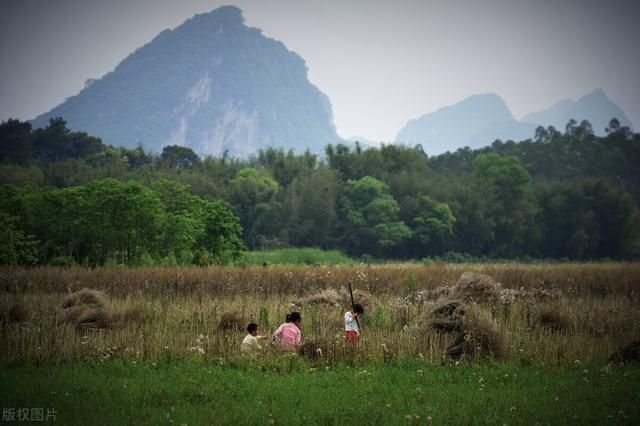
point(546, 314)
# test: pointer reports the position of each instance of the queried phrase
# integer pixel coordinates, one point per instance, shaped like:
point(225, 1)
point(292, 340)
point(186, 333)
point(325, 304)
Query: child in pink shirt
point(289, 333)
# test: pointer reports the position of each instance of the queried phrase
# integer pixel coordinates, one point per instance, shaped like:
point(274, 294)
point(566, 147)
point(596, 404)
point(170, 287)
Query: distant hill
point(481, 119)
point(594, 107)
point(474, 122)
point(212, 84)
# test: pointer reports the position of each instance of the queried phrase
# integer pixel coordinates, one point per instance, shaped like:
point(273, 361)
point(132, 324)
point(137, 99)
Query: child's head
point(287, 318)
point(252, 329)
point(295, 317)
point(358, 309)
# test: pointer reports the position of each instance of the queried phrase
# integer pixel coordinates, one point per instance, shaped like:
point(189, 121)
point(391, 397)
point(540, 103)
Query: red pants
point(351, 337)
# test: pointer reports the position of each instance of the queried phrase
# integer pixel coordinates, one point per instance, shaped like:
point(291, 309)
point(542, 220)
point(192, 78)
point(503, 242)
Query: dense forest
point(65, 197)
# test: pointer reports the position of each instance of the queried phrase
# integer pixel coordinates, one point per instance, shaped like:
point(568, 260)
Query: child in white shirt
point(351, 329)
point(250, 345)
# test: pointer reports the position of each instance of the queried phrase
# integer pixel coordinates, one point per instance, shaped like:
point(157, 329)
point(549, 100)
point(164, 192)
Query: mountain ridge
point(211, 84)
point(595, 107)
point(479, 120)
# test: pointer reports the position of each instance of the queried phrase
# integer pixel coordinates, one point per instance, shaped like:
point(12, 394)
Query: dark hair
point(287, 318)
point(358, 308)
point(294, 316)
point(252, 327)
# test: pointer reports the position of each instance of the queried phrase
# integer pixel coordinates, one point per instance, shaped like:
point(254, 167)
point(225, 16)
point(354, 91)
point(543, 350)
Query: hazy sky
point(380, 62)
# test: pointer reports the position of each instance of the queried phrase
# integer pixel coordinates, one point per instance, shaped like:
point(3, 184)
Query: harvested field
point(552, 314)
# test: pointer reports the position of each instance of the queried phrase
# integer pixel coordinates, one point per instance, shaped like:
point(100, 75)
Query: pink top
point(289, 336)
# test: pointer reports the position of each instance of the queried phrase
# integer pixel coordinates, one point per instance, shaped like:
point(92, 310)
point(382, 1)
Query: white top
point(250, 345)
point(350, 323)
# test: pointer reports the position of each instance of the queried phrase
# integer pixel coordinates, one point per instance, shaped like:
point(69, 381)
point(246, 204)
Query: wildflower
point(197, 349)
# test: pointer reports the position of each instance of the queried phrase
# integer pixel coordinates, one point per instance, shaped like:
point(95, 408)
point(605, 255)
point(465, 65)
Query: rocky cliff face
point(212, 84)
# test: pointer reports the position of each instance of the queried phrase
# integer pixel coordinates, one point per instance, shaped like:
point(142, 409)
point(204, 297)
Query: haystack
point(362, 297)
point(475, 333)
point(86, 296)
point(482, 337)
point(88, 309)
point(231, 321)
point(446, 316)
point(439, 293)
point(473, 287)
point(94, 318)
point(340, 298)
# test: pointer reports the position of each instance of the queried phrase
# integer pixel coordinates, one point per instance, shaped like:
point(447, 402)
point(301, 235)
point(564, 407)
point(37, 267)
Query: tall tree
point(370, 218)
point(252, 196)
point(16, 142)
point(507, 188)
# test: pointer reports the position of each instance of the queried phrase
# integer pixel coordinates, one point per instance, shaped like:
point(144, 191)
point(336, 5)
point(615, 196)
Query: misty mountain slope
point(466, 123)
point(479, 120)
point(506, 130)
point(212, 84)
point(595, 107)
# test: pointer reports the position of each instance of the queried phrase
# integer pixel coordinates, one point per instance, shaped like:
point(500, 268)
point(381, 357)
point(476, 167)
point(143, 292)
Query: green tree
point(311, 208)
point(121, 220)
point(180, 157)
point(16, 248)
point(370, 217)
point(16, 142)
point(433, 226)
point(252, 196)
point(53, 142)
point(508, 196)
point(588, 220)
point(221, 241)
point(183, 220)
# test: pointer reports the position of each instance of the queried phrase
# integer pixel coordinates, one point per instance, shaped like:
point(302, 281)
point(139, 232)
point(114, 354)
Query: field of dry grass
point(547, 314)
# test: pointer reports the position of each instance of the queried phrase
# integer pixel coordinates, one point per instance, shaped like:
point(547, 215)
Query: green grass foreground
point(290, 391)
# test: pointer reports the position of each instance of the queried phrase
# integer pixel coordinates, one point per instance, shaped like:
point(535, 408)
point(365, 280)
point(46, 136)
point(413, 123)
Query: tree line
point(111, 222)
point(568, 194)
